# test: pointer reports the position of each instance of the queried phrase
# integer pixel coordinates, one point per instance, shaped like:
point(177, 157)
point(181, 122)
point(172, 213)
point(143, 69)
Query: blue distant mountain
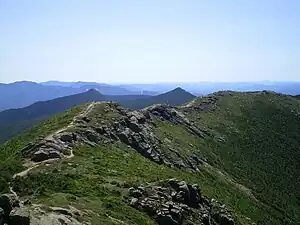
point(23, 93)
point(103, 88)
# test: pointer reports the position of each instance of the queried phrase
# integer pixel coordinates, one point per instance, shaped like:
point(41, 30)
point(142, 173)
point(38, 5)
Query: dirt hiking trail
point(31, 165)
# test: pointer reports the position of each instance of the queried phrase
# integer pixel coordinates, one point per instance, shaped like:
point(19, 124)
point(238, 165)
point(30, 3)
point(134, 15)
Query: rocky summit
point(223, 159)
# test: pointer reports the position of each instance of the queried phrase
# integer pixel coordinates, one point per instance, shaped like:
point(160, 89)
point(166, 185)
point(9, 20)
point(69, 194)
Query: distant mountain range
point(105, 89)
point(14, 121)
point(24, 93)
point(204, 88)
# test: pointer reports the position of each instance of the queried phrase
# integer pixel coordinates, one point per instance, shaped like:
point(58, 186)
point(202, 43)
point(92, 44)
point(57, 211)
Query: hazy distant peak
point(179, 89)
point(93, 91)
point(177, 92)
point(24, 82)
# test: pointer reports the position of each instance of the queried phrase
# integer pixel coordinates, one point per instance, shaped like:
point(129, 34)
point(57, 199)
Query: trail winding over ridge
point(31, 165)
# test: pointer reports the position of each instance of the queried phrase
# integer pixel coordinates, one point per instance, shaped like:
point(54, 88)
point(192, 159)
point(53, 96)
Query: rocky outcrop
point(71, 211)
point(133, 128)
point(174, 202)
point(56, 147)
point(13, 212)
point(206, 103)
point(54, 219)
point(168, 113)
point(174, 116)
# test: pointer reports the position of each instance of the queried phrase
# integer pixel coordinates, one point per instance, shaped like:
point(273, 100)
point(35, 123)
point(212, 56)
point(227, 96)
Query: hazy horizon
point(159, 83)
point(146, 42)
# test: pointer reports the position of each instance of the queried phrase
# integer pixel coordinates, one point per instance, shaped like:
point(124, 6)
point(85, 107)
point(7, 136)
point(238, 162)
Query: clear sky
point(146, 41)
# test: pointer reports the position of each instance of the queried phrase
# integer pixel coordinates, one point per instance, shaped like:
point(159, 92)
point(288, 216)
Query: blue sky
point(149, 41)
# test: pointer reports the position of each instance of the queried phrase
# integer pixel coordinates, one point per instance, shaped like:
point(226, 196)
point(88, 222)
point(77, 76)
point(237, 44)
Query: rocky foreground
point(170, 202)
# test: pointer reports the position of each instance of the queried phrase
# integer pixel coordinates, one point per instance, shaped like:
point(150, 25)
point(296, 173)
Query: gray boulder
point(134, 126)
point(137, 194)
point(92, 136)
point(53, 145)
point(43, 155)
point(125, 136)
point(67, 137)
point(138, 116)
point(63, 211)
point(8, 202)
point(1, 216)
point(19, 216)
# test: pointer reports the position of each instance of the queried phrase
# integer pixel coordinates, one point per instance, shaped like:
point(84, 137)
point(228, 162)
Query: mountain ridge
point(123, 157)
point(106, 89)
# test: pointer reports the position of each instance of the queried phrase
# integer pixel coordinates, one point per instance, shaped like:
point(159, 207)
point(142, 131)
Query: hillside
point(103, 164)
point(177, 96)
point(258, 143)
